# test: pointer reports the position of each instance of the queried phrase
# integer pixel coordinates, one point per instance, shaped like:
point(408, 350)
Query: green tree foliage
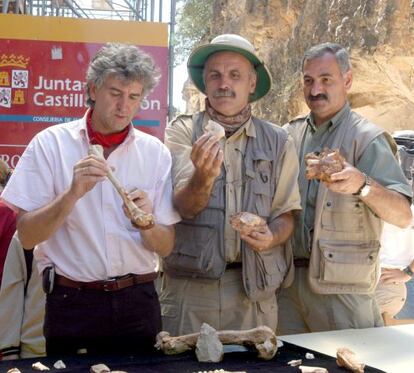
point(193, 24)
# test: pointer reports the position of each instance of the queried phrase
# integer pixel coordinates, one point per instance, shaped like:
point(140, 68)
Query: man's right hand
point(207, 158)
point(86, 173)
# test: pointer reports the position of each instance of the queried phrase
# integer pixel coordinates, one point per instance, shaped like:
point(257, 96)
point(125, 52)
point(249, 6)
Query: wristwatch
point(365, 188)
point(408, 271)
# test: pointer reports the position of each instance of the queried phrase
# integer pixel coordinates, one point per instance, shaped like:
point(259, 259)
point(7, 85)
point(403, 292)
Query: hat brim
point(198, 58)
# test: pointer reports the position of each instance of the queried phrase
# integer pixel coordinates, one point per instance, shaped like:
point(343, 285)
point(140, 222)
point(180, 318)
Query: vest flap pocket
point(271, 268)
point(348, 264)
point(194, 247)
point(192, 238)
point(263, 198)
point(269, 261)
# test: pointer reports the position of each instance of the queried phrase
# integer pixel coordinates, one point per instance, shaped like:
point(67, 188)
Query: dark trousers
point(121, 322)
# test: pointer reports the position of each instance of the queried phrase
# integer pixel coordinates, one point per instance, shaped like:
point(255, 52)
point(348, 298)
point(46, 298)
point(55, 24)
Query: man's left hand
point(347, 181)
point(259, 241)
point(141, 200)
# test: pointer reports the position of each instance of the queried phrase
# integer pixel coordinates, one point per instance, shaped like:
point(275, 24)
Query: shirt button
point(329, 204)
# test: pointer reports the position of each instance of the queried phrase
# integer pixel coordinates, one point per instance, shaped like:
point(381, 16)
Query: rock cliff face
point(378, 33)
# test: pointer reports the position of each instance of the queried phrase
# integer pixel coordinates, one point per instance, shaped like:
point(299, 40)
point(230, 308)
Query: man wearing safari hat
point(215, 274)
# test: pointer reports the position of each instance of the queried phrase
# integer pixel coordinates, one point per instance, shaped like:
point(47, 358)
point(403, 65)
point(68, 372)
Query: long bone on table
point(262, 338)
point(139, 217)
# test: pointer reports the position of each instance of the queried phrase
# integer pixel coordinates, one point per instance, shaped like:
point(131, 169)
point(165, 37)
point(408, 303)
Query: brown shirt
point(178, 138)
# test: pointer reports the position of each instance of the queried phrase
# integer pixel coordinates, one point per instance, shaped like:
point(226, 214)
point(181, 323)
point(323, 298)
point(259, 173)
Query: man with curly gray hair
point(98, 265)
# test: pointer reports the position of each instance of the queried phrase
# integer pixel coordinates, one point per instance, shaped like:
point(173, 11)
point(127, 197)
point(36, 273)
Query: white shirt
point(397, 245)
point(97, 240)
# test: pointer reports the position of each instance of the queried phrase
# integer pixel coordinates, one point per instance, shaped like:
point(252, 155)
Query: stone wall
point(378, 33)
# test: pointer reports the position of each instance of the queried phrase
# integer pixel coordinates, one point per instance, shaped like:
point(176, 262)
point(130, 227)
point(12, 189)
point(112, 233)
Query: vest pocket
point(194, 247)
point(342, 214)
point(272, 268)
point(348, 264)
point(263, 198)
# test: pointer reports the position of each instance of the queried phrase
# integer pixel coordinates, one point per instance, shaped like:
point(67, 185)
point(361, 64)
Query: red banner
point(42, 83)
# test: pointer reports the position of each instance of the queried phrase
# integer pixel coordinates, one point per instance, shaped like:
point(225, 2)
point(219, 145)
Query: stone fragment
point(99, 368)
point(59, 365)
point(215, 129)
point(14, 370)
point(347, 358)
point(208, 347)
point(309, 356)
point(246, 223)
point(295, 363)
point(39, 366)
point(321, 166)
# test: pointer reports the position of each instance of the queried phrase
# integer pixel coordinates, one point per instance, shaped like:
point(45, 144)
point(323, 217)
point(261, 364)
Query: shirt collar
point(331, 123)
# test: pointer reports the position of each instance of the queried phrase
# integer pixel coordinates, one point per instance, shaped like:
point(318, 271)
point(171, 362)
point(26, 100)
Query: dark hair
point(127, 62)
point(340, 53)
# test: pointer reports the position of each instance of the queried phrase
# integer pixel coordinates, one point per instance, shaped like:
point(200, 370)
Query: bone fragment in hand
point(215, 129)
point(347, 359)
point(306, 369)
point(139, 217)
point(262, 338)
point(321, 166)
point(246, 223)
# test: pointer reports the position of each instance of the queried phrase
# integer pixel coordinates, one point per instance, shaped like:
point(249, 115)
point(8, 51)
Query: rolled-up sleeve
point(287, 197)
point(178, 138)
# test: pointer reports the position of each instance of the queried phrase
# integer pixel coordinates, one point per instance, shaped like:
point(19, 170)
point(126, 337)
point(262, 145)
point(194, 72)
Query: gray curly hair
point(127, 62)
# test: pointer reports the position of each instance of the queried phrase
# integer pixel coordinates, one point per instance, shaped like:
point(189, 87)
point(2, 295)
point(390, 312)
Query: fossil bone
point(215, 129)
point(262, 338)
point(246, 223)
point(321, 166)
point(139, 217)
point(347, 358)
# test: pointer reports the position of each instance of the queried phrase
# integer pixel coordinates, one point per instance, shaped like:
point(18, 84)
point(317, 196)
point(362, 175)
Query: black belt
point(301, 262)
point(107, 285)
point(234, 265)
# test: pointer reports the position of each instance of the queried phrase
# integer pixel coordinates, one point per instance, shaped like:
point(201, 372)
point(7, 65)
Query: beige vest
point(346, 240)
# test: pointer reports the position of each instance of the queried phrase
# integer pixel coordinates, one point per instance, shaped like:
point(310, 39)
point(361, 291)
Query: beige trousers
point(188, 303)
point(391, 297)
point(302, 311)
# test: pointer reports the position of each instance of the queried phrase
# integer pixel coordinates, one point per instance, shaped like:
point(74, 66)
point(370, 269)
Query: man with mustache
point(336, 236)
point(214, 274)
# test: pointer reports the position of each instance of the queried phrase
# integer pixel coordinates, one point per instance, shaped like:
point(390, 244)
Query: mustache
point(224, 93)
point(320, 96)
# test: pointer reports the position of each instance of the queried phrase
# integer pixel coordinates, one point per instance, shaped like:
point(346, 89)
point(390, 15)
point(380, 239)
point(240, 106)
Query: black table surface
point(187, 362)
